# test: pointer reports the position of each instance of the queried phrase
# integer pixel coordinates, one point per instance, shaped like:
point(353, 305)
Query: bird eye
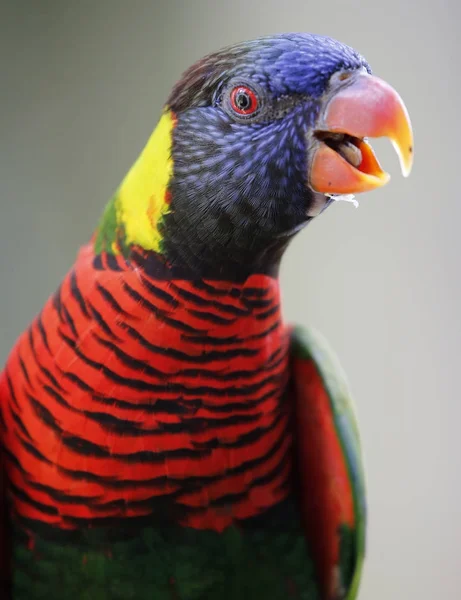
point(243, 100)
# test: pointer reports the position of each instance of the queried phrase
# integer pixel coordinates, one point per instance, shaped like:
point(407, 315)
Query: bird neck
point(149, 212)
point(133, 215)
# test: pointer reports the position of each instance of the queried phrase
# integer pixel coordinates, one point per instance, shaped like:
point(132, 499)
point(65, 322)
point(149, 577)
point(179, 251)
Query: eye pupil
point(243, 101)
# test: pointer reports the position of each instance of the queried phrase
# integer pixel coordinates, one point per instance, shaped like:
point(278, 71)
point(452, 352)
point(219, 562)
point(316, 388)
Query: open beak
point(343, 161)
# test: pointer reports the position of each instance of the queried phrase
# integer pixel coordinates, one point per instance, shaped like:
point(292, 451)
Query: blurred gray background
point(81, 86)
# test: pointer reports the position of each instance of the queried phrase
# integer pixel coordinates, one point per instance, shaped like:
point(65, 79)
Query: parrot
point(164, 433)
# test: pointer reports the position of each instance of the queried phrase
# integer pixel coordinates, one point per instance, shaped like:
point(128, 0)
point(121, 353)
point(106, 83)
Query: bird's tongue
point(344, 145)
point(350, 152)
point(344, 162)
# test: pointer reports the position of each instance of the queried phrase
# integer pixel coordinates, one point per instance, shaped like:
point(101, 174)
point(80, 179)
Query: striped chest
point(131, 396)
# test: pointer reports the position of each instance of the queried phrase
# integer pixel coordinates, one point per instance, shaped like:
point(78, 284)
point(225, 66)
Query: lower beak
point(343, 161)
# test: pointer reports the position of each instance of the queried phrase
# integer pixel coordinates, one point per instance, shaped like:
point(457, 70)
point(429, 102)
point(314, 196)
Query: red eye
point(243, 100)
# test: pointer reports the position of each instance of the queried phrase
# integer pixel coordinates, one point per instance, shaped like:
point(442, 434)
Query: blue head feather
point(239, 189)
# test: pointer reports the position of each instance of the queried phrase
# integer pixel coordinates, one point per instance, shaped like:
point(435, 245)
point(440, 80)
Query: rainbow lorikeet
point(164, 434)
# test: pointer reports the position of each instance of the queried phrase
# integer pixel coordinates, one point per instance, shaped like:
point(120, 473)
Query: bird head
point(255, 141)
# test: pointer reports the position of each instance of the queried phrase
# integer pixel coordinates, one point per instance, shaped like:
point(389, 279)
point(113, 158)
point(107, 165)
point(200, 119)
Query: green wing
point(330, 465)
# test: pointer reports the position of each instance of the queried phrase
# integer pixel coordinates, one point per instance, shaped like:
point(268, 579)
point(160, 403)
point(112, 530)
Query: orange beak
point(343, 162)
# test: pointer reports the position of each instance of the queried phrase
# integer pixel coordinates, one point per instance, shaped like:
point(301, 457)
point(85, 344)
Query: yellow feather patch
point(142, 197)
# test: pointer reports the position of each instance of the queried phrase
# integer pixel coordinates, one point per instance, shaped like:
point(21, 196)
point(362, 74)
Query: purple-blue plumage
point(240, 182)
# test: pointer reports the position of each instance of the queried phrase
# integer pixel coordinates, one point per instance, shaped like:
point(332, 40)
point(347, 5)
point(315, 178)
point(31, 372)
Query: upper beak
point(343, 162)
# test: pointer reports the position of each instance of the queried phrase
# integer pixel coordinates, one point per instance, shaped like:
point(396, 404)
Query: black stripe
point(213, 341)
point(260, 460)
point(11, 390)
point(146, 456)
point(75, 291)
point(114, 424)
point(268, 313)
point(6, 452)
point(102, 323)
point(59, 399)
point(32, 449)
point(179, 406)
point(123, 505)
point(116, 484)
point(19, 423)
point(274, 472)
point(60, 496)
point(69, 320)
point(3, 424)
point(88, 448)
point(57, 302)
point(188, 425)
point(112, 262)
point(212, 318)
point(129, 361)
point(257, 292)
point(105, 420)
point(208, 424)
point(144, 367)
point(108, 482)
point(97, 262)
point(200, 301)
point(22, 495)
point(176, 406)
point(206, 287)
point(73, 442)
point(78, 381)
point(159, 293)
point(275, 355)
point(252, 304)
point(286, 485)
point(136, 384)
point(233, 339)
point(231, 498)
point(30, 338)
point(243, 440)
point(192, 481)
point(44, 414)
point(49, 376)
point(160, 314)
point(234, 376)
point(204, 357)
point(24, 369)
point(167, 388)
point(265, 332)
point(239, 406)
point(85, 447)
point(43, 369)
point(109, 298)
point(42, 331)
point(111, 422)
point(155, 265)
point(187, 266)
